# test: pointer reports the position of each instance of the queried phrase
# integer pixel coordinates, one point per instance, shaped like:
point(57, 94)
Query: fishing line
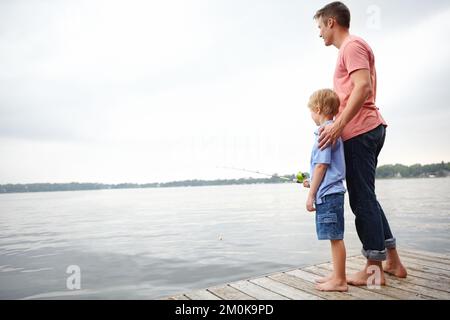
point(299, 177)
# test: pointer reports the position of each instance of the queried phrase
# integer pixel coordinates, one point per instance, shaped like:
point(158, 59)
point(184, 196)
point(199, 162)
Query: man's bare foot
point(325, 279)
point(395, 269)
point(333, 285)
point(393, 264)
point(360, 278)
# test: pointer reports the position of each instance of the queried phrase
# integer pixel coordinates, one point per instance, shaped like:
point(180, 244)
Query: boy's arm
point(319, 172)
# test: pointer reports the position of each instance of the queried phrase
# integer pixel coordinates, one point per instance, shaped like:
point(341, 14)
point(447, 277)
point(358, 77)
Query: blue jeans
point(330, 217)
point(361, 158)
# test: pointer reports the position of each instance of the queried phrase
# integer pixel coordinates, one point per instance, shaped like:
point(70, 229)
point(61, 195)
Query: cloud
point(413, 90)
point(158, 91)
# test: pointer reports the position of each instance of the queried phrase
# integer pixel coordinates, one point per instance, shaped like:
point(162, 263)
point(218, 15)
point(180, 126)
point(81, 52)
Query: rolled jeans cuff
point(390, 243)
point(376, 255)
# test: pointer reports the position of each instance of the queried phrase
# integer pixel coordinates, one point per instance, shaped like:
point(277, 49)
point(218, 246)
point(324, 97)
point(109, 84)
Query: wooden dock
point(428, 279)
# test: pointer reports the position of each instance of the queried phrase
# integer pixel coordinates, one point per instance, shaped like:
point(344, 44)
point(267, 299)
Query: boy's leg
point(339, 254)
point(333, 228)
point(337, 282)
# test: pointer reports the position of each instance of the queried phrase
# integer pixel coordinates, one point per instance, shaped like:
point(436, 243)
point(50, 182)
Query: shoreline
point(175, 184)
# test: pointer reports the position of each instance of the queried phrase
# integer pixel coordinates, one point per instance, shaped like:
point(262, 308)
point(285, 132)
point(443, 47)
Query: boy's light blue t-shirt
point(333, 156)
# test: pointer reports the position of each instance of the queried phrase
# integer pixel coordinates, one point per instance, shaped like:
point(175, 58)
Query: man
point(363, 130)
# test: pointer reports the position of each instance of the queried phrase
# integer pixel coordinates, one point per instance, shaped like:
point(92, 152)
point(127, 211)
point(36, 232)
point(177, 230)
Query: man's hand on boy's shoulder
point(329, 134)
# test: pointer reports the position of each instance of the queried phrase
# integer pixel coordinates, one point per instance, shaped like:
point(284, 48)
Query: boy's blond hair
point(326, 100)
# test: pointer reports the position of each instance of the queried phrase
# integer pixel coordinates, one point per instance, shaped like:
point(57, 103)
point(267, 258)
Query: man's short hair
point(325, 99)
point(336, 10)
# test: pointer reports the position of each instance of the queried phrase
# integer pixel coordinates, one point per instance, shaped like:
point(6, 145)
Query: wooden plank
point(390, 290)
point(309, 287)
point(417, 277)
point(428, 263)
point(428, 278)
point(426, 258)
point(416, 270)
point(413, 291)
point(325, 264)
point(177, 297)
point(435, 283)
point(309, 284)
point(284, 290)
point(426, 269)
point(227, 292)
point(416, 266)
point(201, 295)
point(357, 292)
point(429, 290)
point(307, 274)
point(417, 253)
point(256, 291)
point(423, 275)
point(428, 254)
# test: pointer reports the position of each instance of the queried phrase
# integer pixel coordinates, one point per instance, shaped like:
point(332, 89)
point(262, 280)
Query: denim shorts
point(330, 217)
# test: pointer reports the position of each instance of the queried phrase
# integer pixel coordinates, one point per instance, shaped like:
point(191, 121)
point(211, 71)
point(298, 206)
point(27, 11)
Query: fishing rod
point(299, 177)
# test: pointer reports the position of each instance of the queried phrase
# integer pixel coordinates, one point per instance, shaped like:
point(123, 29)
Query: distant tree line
point(415, 171)
point(387, 171)
point(76, 186)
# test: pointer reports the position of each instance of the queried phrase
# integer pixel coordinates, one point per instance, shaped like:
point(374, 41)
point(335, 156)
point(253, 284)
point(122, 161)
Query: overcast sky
point(144, 91)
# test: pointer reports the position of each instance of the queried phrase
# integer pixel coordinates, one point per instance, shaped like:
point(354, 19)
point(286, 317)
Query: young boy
point(327, 189)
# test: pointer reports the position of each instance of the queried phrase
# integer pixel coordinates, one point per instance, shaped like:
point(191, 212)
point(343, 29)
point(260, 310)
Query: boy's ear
point(319, 110)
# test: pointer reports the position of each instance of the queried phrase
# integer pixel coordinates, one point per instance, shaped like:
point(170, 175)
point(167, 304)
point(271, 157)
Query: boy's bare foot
point(333, 285)
point(325, 279)
point(395, 269)
point(360, 278)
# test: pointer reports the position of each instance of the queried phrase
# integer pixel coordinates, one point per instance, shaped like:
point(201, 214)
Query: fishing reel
point(301, 176)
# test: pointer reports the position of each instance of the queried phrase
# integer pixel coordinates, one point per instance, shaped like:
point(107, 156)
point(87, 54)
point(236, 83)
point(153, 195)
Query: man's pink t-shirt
point(355, 54)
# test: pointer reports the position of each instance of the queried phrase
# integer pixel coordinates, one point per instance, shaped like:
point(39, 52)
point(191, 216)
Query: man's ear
point(330, 22)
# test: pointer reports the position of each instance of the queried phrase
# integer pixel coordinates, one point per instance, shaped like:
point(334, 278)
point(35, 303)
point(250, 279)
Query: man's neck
point(340, 37)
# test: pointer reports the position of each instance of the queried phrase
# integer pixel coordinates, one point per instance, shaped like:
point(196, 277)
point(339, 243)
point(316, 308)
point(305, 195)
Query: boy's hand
point(310, 204)
point(306, 184)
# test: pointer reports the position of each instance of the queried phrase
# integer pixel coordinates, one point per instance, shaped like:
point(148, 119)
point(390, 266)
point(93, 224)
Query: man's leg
point(361, 159)
point(393, 264)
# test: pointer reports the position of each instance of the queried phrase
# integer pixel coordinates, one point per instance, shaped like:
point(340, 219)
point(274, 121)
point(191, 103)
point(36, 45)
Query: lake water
point(151, 243)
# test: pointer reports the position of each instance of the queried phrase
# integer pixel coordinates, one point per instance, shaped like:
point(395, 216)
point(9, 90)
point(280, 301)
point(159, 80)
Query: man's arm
point(319, 172)
point(361, 91)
